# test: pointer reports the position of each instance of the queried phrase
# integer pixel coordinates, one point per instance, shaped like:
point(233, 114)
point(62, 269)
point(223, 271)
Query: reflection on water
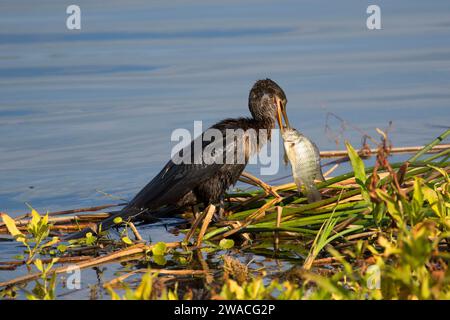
point(140, 36)
point(68, 71)
point(94, 109)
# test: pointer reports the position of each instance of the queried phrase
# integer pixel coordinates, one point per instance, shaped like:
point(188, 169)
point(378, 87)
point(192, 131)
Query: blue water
point(94, 109)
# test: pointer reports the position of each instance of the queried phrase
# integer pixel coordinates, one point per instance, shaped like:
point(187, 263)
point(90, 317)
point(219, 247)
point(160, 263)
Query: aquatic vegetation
point(145, 291)
point(379, 232)
point(45, 286)
point(255, 289)
point(37, 229)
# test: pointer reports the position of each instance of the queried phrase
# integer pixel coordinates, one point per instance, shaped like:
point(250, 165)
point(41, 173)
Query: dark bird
point(184, 184)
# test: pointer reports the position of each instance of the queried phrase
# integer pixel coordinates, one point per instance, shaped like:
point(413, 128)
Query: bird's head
point(267, 103)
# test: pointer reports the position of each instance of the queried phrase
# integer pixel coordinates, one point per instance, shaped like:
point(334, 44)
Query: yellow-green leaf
point(160, 260)
point(418, 193)
point(433, 199)
point(62, 248)
point(54, 240)
point(50, 265)
point(172, 295)
point(39, 265)
point(182, 260)
point(45, 219)
point(159, 249)
point(127, 240)
point(19, 257)
point(226, 244)
point(35, 217)
point(144, 289)
point(391, 204)
point(441, 171)
point(12, 228)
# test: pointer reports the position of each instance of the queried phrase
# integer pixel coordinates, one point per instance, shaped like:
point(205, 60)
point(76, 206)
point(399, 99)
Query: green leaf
point(160, 260)
point(144, 289)
point(359, 170)
point(90, 239)
point(54, 240)
point(392, 205)
point(226, 244)
point(31, 297)
point(418, 193)
point(62, 248)
point(50, 265)
point(357, 163)
point(378, 212)
point(182, 260)
point(159, 249)
point(44, 220)
point(441, 171)
point(117, 220)
point(433, 199)
point(127, 240)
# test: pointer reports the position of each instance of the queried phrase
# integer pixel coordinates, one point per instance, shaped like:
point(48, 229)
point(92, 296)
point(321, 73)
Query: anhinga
point(188, 184)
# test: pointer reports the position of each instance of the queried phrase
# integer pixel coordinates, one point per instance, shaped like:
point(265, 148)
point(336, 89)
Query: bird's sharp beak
point(280, 121)
point(281, 113)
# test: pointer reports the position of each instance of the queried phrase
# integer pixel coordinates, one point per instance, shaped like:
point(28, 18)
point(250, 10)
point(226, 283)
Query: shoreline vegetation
point(380, 232)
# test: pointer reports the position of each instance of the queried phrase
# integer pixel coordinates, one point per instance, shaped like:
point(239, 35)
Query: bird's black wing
point(177, 179)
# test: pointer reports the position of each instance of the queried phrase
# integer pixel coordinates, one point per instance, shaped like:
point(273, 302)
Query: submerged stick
point(194, 226)
point(258, 182)
point(135, 231)
point(68, 220)
point(185, 272)
point(135, 249)
point(206, 222)
point(59, 213)
point(12, 265)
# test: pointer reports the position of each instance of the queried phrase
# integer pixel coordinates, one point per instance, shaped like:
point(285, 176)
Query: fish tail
point(312, 193)
point(320, 176)
point(310, 190)
point(298, 182)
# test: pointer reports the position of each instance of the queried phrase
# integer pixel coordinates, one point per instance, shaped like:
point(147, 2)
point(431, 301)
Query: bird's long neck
point(263, 124)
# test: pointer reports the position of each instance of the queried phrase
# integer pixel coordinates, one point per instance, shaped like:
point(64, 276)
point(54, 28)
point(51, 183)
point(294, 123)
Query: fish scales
point(304, 157)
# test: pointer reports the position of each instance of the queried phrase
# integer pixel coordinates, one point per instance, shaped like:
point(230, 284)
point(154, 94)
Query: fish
point(304, 157)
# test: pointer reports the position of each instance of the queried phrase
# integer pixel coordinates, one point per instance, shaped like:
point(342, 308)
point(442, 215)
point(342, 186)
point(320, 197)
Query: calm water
point(89, 110)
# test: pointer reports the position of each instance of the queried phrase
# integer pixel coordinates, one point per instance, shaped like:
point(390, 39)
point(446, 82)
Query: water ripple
point(28, 38)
